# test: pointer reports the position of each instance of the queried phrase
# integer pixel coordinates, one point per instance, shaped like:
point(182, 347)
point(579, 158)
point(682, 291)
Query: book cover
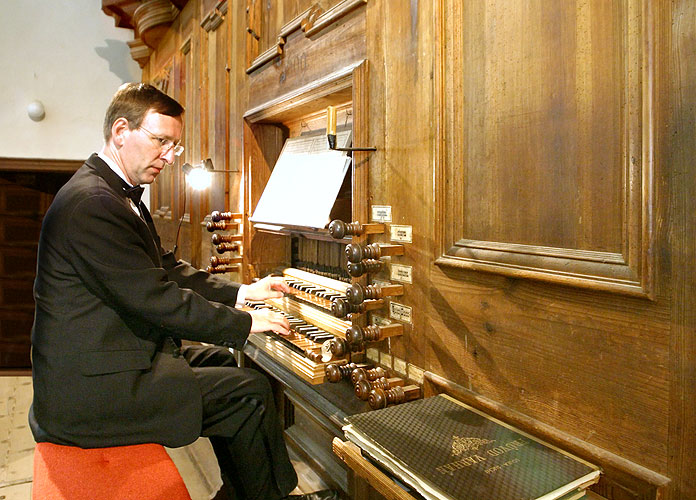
point(448, 450)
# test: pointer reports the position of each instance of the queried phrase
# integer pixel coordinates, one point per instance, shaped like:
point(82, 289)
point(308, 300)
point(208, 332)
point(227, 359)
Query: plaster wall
point(70, 56)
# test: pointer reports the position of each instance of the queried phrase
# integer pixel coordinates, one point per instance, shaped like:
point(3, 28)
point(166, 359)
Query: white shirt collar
point(112, 165)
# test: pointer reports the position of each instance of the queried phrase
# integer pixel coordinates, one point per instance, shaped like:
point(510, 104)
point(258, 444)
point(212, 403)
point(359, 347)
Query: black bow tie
point(134, 193)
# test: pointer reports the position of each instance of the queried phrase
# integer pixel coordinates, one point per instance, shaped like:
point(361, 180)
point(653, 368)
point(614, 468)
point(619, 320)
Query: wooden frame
point(262, 126)
point(311, 21)
point(629, 271)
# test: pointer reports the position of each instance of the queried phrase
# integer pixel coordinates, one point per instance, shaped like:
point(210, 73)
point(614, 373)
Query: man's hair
point(132, 101)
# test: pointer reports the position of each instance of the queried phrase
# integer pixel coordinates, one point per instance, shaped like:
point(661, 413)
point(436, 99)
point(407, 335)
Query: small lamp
point(199, 177)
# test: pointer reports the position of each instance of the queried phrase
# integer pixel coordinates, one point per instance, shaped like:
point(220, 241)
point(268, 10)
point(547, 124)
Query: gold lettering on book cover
point(475, 459)
point(464, 444)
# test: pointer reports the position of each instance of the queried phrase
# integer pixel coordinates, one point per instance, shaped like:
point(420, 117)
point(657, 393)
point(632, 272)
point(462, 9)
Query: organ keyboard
point(306, 351)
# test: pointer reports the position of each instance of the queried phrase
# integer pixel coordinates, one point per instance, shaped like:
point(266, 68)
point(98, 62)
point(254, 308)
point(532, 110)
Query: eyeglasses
point(166, 145)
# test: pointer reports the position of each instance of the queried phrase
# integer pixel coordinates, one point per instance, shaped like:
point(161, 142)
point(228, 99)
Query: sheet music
point(304, 183)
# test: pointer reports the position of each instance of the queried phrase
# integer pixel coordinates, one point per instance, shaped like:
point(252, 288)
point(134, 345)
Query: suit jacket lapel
point(118, 185)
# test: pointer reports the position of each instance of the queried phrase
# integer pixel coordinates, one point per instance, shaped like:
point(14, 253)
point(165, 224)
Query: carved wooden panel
point(546, 143)
point(163, 189)
point(270, 25)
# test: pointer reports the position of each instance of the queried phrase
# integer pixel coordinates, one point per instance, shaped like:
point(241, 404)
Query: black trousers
point(240, 419)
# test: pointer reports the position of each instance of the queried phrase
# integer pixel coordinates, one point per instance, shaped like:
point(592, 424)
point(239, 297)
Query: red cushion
point(138, 472)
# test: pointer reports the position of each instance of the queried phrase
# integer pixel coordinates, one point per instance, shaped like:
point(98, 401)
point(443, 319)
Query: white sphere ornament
point(36, 111)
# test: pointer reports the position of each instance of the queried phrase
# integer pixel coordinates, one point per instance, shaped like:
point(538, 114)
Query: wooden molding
point(331, 84)
point(139, 52)
point(316, 23)
point(311, 21)
point(185, 46)
point(39, 164)
point(596, 270)
point(215, 17)
point(152, 19)
point(352, 456)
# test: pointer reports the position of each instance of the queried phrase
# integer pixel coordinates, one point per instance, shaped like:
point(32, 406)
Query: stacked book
point(446, 450)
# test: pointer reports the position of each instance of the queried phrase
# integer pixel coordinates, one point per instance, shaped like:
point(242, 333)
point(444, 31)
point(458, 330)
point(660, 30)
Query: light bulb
point(199, 178)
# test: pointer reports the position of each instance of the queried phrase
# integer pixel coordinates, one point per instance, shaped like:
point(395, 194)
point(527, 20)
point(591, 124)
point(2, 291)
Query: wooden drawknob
point(381, 398)
point(367, 374)
point(357, 269)
point(363, 387)
point(335, 372)
point(357, 293)
point(356, 252)
point(218, 216)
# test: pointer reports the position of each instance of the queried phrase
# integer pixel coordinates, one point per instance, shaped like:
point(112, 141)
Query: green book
point(445, 449)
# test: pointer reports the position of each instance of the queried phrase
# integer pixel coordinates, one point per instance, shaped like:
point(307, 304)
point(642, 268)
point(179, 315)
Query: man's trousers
point(240, 418)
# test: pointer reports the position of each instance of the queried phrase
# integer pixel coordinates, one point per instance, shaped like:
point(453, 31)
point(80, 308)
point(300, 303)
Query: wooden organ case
point(539, 157)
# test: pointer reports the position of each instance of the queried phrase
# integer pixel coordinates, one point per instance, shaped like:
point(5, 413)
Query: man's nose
point(168, 157)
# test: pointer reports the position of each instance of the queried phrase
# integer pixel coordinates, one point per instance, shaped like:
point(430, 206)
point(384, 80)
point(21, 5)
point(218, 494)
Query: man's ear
point(119, 129)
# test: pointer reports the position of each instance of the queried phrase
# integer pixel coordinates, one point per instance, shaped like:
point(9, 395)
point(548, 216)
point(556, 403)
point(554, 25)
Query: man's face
point(143, 156)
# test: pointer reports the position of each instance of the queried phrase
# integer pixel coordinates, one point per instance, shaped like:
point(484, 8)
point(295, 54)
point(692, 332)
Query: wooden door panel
point(24, 198)
point(548, 171)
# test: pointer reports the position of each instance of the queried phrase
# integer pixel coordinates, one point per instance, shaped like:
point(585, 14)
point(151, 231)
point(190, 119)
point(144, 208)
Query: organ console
point(357, 293)
point(356, 252)
point(339, 229)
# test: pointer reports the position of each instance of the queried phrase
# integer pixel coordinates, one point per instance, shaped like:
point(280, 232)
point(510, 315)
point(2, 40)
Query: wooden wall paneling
point(199, 199)
point(162, 73)
point(27, 188)
point(266, 24)
point(401, 108)
point(219, 113)
point(253, 31)
point(237, 105)
point(679, 139)
point(216, 24)
point(574, 147)
point(593, 363)
point(190, 63)
point(262, 146)
point(308, 60)
point(167, 195)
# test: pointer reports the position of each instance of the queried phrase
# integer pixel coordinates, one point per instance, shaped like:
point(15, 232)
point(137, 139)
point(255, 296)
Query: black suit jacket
point(107, 300)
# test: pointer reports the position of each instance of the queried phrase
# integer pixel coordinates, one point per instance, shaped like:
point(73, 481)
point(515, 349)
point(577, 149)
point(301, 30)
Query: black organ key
point(305, 329)
point(320, 337)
